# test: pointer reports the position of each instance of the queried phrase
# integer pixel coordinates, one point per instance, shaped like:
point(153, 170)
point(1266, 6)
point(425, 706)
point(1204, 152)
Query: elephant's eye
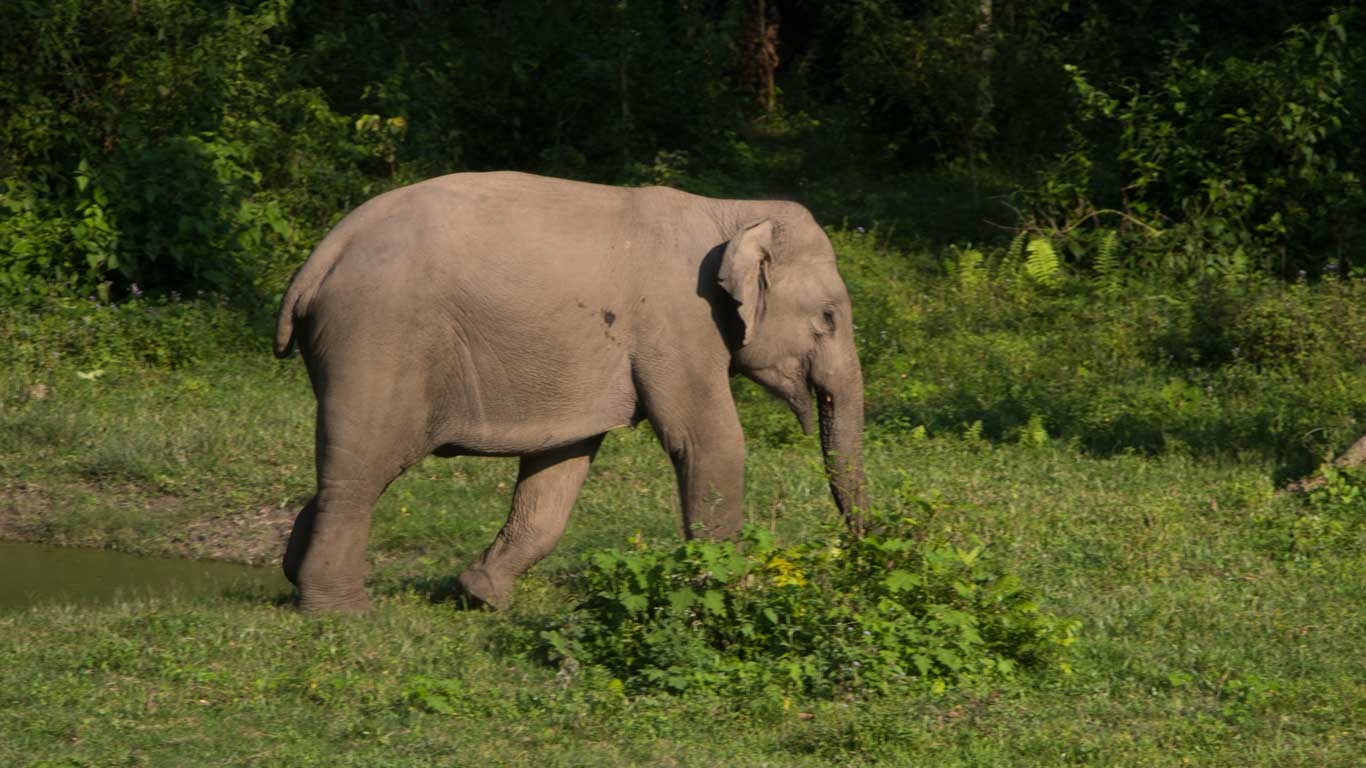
point(829, 317)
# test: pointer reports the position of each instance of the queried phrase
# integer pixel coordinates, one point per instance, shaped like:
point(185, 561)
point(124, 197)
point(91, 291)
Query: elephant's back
point(488, 242)
point(499, 260)
point(484, 223)
point(498, 307)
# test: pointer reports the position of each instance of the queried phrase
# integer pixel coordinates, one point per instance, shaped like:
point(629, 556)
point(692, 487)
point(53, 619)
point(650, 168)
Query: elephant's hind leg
point(325, 558)
point(547, 485)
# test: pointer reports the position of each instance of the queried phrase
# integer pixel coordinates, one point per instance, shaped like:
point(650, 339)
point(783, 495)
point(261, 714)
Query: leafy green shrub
point(1329, 519)
point(832, 615)
point(168, 145)
point(1225, 165)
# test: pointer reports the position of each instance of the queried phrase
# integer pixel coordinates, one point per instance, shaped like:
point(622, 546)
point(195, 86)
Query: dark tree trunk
point(758, 50)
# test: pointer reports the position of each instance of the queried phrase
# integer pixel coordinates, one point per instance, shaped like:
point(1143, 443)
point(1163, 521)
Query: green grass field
point(1221, 624)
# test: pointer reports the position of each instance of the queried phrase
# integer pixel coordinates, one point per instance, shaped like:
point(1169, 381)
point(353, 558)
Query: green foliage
point(1342, 494)
point(451, 697)
point(167, 146)
point(1118, 360)
point(572, 87)
point(1042, 264)
point(179, 145)
point(1109, 271)
point(915, 76)
point(833, 615)
point(59, 335)
point(1329, 520)
point(1224, 165)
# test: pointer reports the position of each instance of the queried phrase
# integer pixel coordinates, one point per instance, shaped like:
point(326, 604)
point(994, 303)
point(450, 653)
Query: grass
point(1221, 623)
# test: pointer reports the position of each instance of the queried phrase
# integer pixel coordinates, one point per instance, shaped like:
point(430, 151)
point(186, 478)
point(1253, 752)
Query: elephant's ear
point(744, 271)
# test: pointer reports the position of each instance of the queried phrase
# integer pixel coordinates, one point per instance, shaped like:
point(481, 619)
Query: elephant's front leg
point(547, 485)
point(699, 428)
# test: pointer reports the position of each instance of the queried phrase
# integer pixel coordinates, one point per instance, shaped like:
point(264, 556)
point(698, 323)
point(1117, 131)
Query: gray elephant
point(503, 314)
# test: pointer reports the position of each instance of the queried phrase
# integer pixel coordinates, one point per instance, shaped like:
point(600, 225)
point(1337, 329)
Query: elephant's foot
point(327, 563)
point(484, 589)
point(314, 598)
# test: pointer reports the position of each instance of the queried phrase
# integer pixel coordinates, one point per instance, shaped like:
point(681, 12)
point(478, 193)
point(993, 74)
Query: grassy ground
point(1206, 639)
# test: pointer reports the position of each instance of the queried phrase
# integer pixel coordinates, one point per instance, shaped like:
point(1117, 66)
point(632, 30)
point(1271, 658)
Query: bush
point(1329, 519)
point(835, 615)
point(168, 145)
point(1222, 166)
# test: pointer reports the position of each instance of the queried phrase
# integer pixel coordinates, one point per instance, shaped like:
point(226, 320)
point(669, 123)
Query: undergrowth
point(834, 615)
point(1006, 342)
point(1328, 520)
point(56, 334)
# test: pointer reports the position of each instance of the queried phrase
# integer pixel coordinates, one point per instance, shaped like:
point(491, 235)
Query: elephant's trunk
point(841, 422)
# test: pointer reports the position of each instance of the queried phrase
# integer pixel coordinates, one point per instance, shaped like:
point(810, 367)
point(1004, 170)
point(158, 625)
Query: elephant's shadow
point(439, 590)
point(275, 597)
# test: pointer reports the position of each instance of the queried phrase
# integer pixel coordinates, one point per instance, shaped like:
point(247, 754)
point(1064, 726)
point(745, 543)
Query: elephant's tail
point(301, 290)
point(284, 324)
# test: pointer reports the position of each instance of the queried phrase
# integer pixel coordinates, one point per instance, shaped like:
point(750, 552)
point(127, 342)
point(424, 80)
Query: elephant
point(507, 314)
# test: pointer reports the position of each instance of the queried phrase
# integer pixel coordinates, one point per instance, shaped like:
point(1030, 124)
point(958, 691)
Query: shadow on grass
point(257, 594)
point(438, 590)
point(1230, 437)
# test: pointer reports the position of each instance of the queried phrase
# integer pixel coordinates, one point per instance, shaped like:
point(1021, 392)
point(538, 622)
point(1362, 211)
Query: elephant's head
point(798, 338)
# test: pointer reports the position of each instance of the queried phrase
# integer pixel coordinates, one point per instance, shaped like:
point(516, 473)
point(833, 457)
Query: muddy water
point(33, 574)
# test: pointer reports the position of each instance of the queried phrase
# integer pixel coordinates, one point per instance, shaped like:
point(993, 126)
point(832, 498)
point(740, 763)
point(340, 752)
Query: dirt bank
point(87, 515)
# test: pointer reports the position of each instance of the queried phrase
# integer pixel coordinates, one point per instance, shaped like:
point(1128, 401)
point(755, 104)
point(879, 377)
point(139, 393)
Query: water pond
point(35, 574)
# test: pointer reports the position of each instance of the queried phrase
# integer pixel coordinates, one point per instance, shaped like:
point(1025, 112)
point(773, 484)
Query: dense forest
point(185, 145)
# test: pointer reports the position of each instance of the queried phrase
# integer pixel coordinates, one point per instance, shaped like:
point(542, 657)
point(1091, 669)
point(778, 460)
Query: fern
point(1013, 253)
point(1108, 268)
point(1042, 263)
point(1034, 433)
point(969, 268)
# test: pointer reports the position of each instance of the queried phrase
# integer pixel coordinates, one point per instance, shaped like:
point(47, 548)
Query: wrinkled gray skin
point(501, 314)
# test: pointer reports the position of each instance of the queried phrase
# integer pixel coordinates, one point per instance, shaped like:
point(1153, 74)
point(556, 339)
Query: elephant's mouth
point(792, 387)
point(800, 403)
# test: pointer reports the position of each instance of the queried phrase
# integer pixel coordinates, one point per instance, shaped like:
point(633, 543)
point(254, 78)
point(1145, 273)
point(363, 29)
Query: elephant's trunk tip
point(841, 418)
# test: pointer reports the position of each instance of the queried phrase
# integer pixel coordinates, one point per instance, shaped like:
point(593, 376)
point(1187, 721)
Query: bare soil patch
point(254, 535)
point(22, 510)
